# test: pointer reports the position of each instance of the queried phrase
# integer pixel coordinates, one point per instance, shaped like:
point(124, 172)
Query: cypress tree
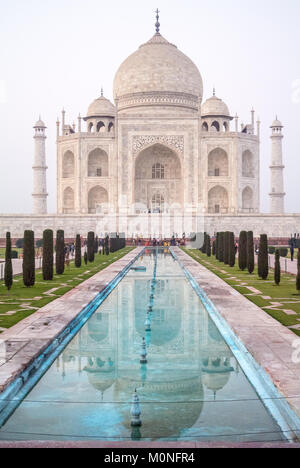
point(243, 250)
point(263, 266)
point(214, 248)
point(277, 271)
point(298, 272)
point(48, 255)
point(29, 259)
point(96, 245)
point(78, 251)
point(8, 270)
point(91, 247)
point(250, 252)
point(106, 245)
point(226, 247)
point(231, 249)
point(208, 246)
point(221, 246)
point(60, 252)
point(85, 257)
point(217, 246)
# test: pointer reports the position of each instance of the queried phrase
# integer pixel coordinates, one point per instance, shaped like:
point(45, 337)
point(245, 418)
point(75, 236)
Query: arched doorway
point(158, 178)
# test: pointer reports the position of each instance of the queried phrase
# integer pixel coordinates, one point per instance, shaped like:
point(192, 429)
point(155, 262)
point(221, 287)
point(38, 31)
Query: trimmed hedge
point(231, 248)
point(8, 270)
point(277, 271)
point(60, 252)
point(78, 251)
point(243, 251)
point(29, 259)
point(226, 248)
point(91, 247)
point(208, 246)
point(250, 252)
point(48, 252)
point(263, 263)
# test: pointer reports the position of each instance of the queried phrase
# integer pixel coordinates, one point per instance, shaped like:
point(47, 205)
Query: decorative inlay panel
point(144, 141)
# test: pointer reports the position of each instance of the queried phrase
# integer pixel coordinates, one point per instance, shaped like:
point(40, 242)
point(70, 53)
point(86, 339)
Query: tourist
point(292, 251)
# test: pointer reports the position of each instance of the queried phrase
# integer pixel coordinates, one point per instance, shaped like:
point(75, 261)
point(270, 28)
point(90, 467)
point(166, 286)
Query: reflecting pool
point(191, 388)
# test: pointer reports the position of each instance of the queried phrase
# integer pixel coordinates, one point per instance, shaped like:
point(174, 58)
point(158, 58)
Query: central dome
point(158, 74)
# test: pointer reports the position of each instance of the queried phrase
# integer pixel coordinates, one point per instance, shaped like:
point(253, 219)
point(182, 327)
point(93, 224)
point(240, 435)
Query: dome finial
point(157, 25)
point(101, 91)
point(214, 91)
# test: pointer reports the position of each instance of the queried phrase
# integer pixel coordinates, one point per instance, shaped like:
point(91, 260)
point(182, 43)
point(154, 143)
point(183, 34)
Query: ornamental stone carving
point(142, 142)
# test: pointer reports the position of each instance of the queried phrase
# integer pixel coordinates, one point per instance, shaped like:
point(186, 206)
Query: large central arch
point(158, 175)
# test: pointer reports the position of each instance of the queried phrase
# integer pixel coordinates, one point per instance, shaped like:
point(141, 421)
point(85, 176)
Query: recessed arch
point(91, 127)
point(215, 126)
point(97, 200)
point(98, 163)
point(158, 168)
point(218, 163)
point(68, 201)
point(218, 200)
point(68, 165)
point(205, 127)
point(248, 164)
point(110, 127)
point(101, 127)
point(247, 199)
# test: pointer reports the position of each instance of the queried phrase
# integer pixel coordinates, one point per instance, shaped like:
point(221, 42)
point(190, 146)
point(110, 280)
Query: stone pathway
point(274, 306)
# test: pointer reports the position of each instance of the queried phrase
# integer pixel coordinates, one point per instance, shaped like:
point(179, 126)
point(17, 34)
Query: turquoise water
point(192, 388)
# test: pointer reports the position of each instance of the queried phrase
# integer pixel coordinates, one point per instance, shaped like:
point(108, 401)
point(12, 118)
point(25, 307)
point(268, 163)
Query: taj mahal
point(157, 151)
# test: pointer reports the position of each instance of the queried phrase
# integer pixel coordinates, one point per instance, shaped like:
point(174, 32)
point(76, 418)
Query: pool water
point(192, 387)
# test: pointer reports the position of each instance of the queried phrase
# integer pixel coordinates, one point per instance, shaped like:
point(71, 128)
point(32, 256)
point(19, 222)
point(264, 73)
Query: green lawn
point(285, 295)
point(2, 251)
point(20, 302)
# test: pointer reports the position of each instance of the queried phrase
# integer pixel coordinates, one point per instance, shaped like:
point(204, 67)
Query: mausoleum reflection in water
point(191, 387)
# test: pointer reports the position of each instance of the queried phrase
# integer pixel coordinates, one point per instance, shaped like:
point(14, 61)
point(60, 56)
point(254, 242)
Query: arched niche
point(248, 164)
point(247, 199)
point(68, 201)
point(98, 163)
point(218, 200)
point(218, 163)
point(68, 165)
point(97, 200)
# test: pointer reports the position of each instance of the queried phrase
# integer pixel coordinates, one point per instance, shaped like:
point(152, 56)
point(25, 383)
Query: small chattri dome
point(277, 123)
point(215, 107)
point(40, 124)
point(101, 107)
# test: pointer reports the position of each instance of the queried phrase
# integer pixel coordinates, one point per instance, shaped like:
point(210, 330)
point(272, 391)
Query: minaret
point(39, 170)
point(277, 186)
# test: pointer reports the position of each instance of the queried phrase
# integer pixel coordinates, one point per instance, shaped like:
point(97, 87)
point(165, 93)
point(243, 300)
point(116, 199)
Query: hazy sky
point(58, 53)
